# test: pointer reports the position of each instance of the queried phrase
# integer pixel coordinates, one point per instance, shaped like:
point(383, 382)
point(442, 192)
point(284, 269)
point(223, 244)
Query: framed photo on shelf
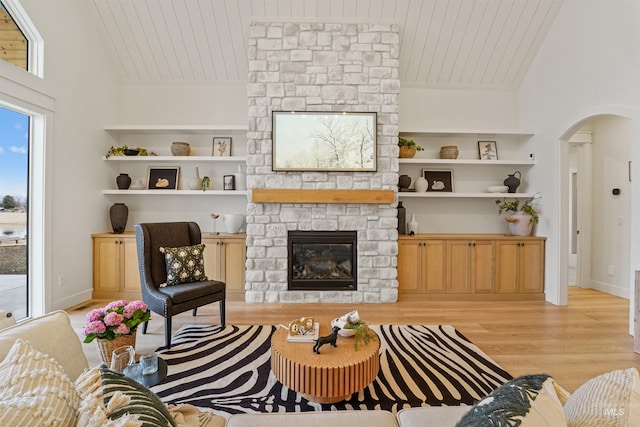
point(487, 150)
point(163, 178)
point(439, 180)
point(221, 146)
point(229, 182)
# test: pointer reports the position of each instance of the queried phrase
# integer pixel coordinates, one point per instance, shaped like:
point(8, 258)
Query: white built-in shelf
point(171, 129)
point(176, 192)
point(437, 194)
point(174, 159)
point(480, 133)
point(424, 161)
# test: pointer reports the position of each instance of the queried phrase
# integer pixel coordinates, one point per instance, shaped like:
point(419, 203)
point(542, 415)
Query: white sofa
point(53, 334)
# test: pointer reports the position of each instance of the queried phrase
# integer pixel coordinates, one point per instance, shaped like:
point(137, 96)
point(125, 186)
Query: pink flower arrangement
point(115, 319)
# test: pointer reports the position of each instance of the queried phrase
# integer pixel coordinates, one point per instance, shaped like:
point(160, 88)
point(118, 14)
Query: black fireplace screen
point(322, 260)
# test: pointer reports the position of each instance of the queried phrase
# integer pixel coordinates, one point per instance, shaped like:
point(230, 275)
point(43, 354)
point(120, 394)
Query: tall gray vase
point(118, 214)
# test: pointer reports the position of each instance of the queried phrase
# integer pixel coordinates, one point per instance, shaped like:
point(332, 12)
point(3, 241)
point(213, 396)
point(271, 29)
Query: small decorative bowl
point(180, 148)
point(131, 152)
point(345, 332)
point(497, 189)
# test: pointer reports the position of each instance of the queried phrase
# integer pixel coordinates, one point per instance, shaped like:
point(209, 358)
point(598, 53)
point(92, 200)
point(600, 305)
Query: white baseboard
point(609, 289)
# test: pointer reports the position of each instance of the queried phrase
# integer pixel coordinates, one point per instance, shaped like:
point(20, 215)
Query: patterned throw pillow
point(608, 400)
point(527, 401)
point(35, 390)
point(184, 264)
point(132, 399)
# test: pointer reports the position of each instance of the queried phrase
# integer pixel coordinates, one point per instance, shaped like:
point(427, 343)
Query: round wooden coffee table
point(329, 377)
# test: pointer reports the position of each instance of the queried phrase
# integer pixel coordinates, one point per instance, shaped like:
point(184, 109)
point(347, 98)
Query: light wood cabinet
point(115, 266)
point(520, 266)
point(471, 266)
point(225, 258)
point(421, 266)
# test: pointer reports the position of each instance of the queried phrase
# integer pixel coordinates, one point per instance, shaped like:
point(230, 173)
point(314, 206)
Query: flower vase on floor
point(118, 214)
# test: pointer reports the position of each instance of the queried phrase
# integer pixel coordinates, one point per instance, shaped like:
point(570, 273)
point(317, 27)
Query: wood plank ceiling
point(484, 44)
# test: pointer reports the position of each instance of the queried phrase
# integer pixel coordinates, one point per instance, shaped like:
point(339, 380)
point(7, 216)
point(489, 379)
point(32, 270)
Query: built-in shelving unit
point(174, 159)
point(176, 192)
point(470, 174)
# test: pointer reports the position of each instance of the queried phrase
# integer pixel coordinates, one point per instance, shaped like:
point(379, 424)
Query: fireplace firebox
point(322, 260)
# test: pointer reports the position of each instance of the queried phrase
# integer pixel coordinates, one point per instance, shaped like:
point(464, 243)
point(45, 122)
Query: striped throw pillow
point(138, 400)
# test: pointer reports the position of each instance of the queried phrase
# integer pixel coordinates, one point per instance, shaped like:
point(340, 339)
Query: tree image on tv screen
point(326, 142)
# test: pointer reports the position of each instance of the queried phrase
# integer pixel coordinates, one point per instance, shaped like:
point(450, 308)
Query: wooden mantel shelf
point(376, 197)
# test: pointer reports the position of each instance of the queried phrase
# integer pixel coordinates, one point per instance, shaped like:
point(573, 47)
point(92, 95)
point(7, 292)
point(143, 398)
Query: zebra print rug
point(228, 369)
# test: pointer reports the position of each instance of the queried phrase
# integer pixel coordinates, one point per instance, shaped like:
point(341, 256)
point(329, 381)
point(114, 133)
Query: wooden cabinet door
point(409, 266)
point(212, 255)
point(531, 265)
point(130, 279)
point(106, 265)
point(433, 266)
point(234, 253)
point(507, 271)
point(458, 266)
point(482, 266)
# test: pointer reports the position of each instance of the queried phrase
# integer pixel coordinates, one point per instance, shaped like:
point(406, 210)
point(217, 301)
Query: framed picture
point(324, 141)
point(487, 150)
point(439, 180)
point(163, 178)
point(221, 146)
point(229, 182)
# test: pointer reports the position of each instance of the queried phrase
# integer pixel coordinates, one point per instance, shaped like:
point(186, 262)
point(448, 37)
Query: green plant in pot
point(522, 215)
point(408, 147)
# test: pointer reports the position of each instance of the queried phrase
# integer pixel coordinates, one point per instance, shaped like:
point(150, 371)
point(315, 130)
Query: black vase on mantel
point(118, 214)
point(123, 181)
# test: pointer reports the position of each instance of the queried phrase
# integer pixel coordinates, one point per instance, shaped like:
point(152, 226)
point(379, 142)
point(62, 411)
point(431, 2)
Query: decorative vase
point(407, 152)
point(421, 184)
point(449, 152)
point(412, 226)
point(520, 224)
point(512, 181)
point(118, 214)
point(180, 148)
point(138, 184)
point(232, 222)
point(195, 183)
point(123, 181)
point(240, 179)
point(106, 347)
point(402, 219)
point(404, 181)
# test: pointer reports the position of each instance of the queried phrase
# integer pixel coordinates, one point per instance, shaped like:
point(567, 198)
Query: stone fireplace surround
point(322, 67)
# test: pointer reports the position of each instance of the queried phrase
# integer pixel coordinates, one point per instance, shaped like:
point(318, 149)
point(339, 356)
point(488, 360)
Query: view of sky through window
point(14, 145)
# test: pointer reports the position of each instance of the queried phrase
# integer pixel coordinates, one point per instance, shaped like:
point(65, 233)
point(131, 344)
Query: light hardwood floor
point(573, 344)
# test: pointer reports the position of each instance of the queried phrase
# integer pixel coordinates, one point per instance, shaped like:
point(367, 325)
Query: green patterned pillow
point(527, 401)
point(184, 264)
point(134, 399)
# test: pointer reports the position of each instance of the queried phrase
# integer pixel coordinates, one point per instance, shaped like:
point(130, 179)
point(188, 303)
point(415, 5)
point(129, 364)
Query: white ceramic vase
point(420, 184)
point(412, 226)
point(240, 179)
point(232, 222)
point(520, 224)
point(195, 183)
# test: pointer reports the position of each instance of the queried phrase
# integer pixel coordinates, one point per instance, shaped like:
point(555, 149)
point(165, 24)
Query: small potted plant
point(521, 218)
point(126, 151)
point(408, 148)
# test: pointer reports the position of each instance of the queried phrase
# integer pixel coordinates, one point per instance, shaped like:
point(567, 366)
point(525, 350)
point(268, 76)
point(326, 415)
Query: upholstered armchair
point(164, 300)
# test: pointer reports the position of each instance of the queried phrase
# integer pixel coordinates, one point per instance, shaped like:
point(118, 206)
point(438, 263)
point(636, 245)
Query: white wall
point(610, 214)
point(588, 65)
point(80, 76)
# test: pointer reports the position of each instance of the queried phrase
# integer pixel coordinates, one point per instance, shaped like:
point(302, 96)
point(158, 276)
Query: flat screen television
point(324, 141)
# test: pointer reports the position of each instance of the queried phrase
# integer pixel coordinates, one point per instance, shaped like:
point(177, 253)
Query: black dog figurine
point(329, 339)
